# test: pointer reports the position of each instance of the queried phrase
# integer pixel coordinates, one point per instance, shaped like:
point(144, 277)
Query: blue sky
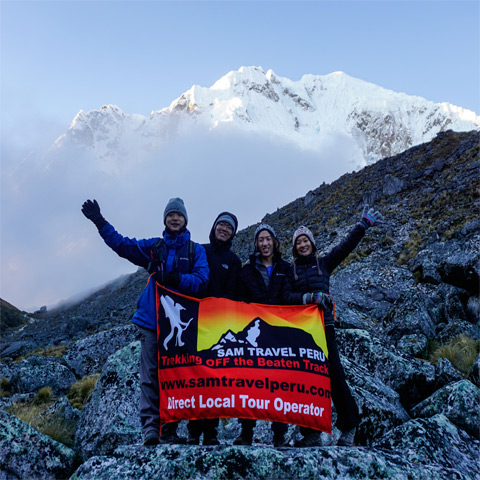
point(60, 57)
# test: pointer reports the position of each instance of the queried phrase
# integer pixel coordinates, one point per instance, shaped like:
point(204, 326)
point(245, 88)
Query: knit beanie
point(303, 231)
point(175, 205)
point(269, 229)
point(227, 218)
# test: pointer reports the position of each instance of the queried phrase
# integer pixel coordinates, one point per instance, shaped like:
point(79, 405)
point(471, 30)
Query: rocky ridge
point(411, 285)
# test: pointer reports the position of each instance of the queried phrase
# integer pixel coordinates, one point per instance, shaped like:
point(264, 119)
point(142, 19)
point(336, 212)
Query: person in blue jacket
point(179, 264)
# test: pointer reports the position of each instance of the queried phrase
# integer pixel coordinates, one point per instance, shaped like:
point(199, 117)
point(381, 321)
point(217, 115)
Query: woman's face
point(303, 246)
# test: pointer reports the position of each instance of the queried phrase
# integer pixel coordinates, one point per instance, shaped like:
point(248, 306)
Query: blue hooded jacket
point(194, 279)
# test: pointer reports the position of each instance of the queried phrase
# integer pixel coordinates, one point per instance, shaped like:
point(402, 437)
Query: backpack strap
point(156, 257)
point(157, 261)
point(191, 254)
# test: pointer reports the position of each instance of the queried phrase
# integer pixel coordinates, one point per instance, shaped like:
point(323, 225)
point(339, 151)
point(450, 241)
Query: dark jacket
point(224, 265)
point(255, 286)
point(175, 252)
point(306, 276)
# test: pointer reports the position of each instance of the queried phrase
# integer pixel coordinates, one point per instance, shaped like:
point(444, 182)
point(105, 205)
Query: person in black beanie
point(224, 267)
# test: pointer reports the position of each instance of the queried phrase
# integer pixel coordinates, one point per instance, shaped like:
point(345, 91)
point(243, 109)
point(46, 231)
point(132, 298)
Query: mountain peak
point(307, 113)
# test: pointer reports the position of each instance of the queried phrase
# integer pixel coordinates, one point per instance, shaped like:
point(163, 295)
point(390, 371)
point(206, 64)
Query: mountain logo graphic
point(258, 334)
point(173, 311)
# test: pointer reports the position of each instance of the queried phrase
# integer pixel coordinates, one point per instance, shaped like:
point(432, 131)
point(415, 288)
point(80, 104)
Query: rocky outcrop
point(417, 450)
point(26, 453)
point(36, 372)
point(459, 402)
point(111, 417)
point(87, 356)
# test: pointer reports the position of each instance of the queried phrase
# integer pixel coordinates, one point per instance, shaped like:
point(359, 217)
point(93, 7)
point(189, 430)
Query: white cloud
point(58, 252)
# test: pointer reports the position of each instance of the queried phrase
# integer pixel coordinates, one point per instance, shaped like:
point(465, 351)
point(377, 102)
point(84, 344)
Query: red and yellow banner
point(219, 358)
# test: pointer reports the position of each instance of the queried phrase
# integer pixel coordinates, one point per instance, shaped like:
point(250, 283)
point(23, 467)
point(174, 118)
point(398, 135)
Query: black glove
point(370, 217)
point(171, 279)
point(92, 211)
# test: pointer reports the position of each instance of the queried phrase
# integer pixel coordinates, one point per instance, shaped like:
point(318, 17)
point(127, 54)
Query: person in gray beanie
point(224, 267)
point(311, 279)
point(174, 261)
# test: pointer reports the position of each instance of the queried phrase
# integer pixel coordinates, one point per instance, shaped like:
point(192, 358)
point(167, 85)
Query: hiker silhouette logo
point(173, 311)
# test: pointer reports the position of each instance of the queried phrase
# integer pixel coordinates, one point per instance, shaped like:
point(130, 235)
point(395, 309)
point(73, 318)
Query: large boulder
point(413, 379)
point(36, 372)
point(454, 261)
point(409, 316)
point(26, 453)
point(379, 405)
point(328, 463)
point(445, 373)
point(435, 441)
point(111, 417)
point(87, 356)
point(371, 287)
point(459, 402)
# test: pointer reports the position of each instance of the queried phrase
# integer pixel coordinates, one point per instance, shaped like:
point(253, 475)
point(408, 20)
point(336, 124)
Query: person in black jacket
point(224, 268)
point(264, 279)
point(312, 279)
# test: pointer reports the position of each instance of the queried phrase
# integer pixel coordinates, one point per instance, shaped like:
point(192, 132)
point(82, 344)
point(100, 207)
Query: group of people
point(214, 270)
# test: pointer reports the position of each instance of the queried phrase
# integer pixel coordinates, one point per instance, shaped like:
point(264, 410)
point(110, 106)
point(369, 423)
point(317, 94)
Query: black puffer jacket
point(306, 275)
point(254, 286)
point(223, 263)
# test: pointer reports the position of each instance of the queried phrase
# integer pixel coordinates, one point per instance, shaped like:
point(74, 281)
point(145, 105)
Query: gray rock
point(25, 453)
point(87, 356)
point(392, 185)
point(447, 332)
point(36, 372)
point(369, 287)
point(454, 262)
point(409, 316)
point(435, 441)
point(446, 373)
point(462, 267)
point(61, 409)
point(265, 463)
point(414, 345)
point(379, 405)
point(459, 402)
point(473, 309)
point(111, 416)
point(475, 372)
point(15, 349)
point(412, 379)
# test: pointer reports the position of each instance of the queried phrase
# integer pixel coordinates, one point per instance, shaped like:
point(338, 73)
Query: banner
point(219, 358)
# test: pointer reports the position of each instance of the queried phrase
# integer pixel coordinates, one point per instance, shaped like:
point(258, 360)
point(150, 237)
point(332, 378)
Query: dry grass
point(52, 351)
point(81, 391)
point(4, 387)
point(461, 351)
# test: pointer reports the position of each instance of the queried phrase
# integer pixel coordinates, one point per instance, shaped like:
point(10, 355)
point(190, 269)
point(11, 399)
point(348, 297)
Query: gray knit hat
point(175, 205)
point(303, 231)
point(227, 218)
point(268, 228)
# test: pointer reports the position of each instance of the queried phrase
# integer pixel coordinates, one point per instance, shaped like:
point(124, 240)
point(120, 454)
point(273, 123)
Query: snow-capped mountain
point(305, 113)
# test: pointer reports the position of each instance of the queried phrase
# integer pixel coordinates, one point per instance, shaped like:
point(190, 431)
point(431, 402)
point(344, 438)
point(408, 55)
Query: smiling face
point(265, 244)
point(175, 221)
point(223, 231)
point(303, 246)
